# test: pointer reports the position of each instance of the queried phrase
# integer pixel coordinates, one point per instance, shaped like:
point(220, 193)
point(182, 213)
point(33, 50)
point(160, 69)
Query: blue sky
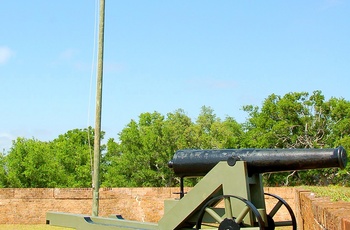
point(162, 56)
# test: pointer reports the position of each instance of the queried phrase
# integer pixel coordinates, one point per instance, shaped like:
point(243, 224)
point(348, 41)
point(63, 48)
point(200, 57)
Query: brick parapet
point(29, 206)
point(319, 213)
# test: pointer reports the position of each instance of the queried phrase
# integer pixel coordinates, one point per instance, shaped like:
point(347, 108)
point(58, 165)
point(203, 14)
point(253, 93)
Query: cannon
point(228, 196)
point(189, 162)
point(244, 200)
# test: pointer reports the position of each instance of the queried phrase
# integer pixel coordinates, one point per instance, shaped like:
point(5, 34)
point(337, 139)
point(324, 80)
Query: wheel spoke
point(227, 219)
point(251, 228)
point(228, 208)
point(241, 216)
point(284, 223)
point(213, 214)
point(275, 209)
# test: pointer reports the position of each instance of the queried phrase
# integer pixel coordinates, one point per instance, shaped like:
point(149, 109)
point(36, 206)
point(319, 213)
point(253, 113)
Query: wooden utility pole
point(97, 140)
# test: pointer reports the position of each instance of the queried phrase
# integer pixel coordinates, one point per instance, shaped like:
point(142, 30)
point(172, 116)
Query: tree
point(3, 177)
point(203, 126)
point(147, 145)
point(227, 134)
point(141, 152)
point(339, 118)
point(177, 132)
point(279, 123)
point(63, 162)
point(298, 120)
point(73, 152)
point(111, 174)
point(30, 164)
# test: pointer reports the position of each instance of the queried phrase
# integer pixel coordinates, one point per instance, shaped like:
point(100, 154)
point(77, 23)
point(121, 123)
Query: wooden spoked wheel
point(226, 220)
point(270, 216)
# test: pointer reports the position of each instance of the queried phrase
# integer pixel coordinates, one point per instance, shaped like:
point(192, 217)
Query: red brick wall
point(319, 213)
point(29, 206)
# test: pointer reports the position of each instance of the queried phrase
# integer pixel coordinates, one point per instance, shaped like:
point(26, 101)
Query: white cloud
point(5, 54)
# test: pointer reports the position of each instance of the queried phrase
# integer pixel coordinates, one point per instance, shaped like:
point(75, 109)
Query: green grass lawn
point(335, 193)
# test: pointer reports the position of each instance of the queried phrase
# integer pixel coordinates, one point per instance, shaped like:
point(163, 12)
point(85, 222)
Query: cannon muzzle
point(189, 162)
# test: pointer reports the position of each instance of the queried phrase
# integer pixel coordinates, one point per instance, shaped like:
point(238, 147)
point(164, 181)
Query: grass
point(335, 193)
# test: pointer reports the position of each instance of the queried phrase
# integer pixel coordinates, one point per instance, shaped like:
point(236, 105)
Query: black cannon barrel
point(191, 162)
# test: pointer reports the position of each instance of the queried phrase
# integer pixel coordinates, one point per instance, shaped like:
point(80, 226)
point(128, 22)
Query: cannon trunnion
point(229, 196)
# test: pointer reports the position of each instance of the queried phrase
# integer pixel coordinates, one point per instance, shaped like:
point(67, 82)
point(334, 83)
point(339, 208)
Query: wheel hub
point(270, 223)
point(229, 224)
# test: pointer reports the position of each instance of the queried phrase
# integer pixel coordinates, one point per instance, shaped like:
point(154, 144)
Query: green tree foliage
point(145, 145)
point(282, 122)
point(31, 164)
point(63, 162)
point(299, 120)
point(145, 148)
point(148, 144)
point(73, 152)
point(226, 134)
point(3, 179)
point(110, 170)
